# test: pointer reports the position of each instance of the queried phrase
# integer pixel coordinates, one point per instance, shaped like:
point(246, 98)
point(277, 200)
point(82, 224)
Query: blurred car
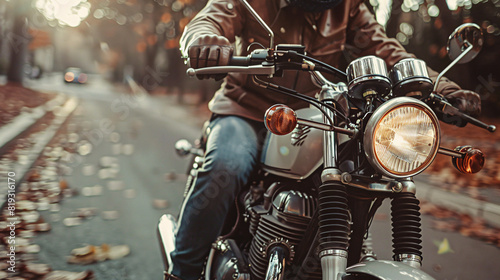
point(75, 75)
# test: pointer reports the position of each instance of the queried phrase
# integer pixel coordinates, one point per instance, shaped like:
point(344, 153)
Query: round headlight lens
point(402, 137)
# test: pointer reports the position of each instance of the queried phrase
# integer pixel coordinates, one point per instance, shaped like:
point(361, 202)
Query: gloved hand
point(210, 50)
point(466, 101)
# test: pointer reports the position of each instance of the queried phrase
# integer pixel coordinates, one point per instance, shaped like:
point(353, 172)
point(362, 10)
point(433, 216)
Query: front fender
point(385, 270)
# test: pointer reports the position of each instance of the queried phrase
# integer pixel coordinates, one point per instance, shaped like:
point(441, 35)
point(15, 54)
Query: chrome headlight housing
point(402, 137)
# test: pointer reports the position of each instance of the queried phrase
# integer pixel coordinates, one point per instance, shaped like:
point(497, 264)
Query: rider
point(329, 30)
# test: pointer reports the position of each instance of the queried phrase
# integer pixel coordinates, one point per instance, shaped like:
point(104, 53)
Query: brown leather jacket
point(331, 36)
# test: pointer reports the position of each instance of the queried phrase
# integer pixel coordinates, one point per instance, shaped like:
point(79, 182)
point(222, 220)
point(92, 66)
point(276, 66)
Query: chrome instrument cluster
point(366, 76)
point(410, 78)
point(369, 76)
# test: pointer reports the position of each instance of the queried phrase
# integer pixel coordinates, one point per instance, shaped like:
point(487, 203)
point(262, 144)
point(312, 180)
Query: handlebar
point(445, 107)
point(251, 64)
point(256, 64)
point(253, 69)
point(239, 61)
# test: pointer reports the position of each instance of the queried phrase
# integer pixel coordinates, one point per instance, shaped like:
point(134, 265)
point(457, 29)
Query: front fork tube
point(333, 210)
point(334, 228)
point(406, 228)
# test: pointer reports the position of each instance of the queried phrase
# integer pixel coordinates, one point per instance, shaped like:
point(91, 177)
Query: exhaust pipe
point(166, 235)
point(277, 260)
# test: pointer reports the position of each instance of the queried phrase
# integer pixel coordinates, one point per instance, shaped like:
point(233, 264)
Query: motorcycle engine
point(285, 223)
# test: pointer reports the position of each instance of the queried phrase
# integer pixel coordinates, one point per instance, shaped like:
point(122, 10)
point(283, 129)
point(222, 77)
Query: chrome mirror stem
point(262, 23)
point(464, 53)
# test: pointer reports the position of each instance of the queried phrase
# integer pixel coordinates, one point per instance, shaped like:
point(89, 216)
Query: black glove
point(210, 50)
point(466, 101)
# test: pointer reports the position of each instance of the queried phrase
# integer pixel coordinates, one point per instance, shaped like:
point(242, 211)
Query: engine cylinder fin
point(406, 226)
point(288, 232)
point(254, 221)
point(281, 224)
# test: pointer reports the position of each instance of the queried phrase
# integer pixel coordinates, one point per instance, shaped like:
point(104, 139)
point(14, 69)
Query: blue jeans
point(231, 155)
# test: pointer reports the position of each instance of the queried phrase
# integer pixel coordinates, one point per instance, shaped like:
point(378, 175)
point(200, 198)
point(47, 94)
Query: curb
point(487, 211)
point(61, 112)
point(26, 119)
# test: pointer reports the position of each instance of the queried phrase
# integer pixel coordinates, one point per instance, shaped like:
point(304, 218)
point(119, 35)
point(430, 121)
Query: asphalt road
point(122, 129)
point(149, 128)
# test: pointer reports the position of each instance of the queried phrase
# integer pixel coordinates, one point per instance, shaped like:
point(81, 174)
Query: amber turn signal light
point(280, 119)
point(471, 162)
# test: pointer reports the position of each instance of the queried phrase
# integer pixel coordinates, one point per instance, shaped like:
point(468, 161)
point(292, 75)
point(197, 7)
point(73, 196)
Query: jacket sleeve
point(368, 37)
point(219, 17)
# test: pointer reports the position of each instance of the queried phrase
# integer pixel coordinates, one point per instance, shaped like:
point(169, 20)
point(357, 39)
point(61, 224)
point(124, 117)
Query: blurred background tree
point(136, 38)
point(139, 38)
point(423, 27)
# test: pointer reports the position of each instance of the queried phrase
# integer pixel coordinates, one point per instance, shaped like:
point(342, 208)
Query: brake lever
point(253, 70)
point(449, 109)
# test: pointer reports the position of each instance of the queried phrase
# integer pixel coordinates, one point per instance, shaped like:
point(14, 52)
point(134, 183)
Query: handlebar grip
point(478, 123)
point(239, 61)
point(447, 108)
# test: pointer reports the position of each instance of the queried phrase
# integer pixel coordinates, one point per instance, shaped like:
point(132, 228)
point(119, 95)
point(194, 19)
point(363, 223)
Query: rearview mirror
point(467, 35)
point(463, 46)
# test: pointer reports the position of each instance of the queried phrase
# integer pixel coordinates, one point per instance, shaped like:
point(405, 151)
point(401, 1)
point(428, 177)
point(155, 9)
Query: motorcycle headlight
point(402, 137)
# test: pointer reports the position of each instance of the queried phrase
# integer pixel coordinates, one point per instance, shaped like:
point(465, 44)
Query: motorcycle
point(326, 169)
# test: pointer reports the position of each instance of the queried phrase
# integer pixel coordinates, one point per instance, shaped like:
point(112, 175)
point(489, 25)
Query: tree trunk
point(18, 44)
point(18, 40)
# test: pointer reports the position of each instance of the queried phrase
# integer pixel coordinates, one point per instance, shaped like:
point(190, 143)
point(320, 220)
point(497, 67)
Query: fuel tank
point(298, 154)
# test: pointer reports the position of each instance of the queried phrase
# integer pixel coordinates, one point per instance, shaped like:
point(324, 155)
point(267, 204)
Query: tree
point(424, 28)
point(18, 39)
point(149, 28)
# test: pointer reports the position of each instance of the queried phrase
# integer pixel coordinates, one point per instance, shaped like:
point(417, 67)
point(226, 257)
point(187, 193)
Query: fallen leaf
point(85, 213)
point(92, 254)
point(30, 249)
point(38, 268)
point(83, 251)
point(443, 246)
point(107, 161)
point(92, 191)
point(63, 184)
point(118, 252)
point(160, 203)
point(67, 275)
point(116, 185)
point(73, 221)
point(110, 215)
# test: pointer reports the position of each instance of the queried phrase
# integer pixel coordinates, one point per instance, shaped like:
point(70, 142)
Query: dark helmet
point(314, 6)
